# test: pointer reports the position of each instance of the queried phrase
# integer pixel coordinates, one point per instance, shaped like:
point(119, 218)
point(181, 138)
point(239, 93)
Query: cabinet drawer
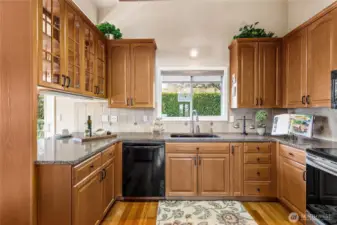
point(86, 168)
point(221, 148)
point(108, 154)
point(257, 173)
point(257, 147)
point(258, 189)
point(182, 147)
point(292, 153)
point(257, 158)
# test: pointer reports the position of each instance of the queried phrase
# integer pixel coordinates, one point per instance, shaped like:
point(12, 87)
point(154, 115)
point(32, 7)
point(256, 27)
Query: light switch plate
point(231, 119)
point(113, 119)
point(145, 118)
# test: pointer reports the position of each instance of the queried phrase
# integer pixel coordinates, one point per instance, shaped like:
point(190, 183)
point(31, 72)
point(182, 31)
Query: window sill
point(201, 118)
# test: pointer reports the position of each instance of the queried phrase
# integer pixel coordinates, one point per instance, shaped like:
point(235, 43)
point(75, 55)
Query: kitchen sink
point(189, 135)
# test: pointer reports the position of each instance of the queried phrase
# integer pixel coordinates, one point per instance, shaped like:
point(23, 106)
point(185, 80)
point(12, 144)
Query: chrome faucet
point(195, 113)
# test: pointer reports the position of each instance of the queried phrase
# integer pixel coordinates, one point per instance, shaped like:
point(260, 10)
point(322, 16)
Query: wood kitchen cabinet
point(236, 169)
point(213, 175)
point(310, 56)
point(76, 195)
point(131, 66)
point(72, 50)
point(292, 184)
point(87, 201)
point(255, 67)
point(181, 174)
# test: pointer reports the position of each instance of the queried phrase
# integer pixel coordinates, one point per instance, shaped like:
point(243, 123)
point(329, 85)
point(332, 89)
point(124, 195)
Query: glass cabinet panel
point(101, 68)
point(51, 41)
point(73, 49)
point(89, 58)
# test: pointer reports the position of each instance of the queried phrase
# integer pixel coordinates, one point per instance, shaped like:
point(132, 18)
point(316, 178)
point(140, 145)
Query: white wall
point(89, 9)
point(65, 114)
point(208, 25)
point(300, 11)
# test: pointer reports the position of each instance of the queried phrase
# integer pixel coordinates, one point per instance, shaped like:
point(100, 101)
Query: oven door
point(321, 190)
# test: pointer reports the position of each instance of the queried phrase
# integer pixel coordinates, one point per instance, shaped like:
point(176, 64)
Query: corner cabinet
point(131, 71)
point(255, 73)
point(72, 50)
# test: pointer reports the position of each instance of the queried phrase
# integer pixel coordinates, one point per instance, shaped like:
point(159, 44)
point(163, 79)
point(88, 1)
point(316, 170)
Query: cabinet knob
point(258, 159)
point(258, 173)
point(303, 99)
point(258, 148)
point(291, 154)
point(308, 99)
point(91, 166)
point(258, 189)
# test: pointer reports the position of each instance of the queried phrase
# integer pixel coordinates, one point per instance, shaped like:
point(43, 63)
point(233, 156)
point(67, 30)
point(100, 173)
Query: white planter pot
point(261, 130)
point(109, 36)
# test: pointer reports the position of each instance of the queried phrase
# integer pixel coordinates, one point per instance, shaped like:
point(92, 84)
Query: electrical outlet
point(231, 119)
point(113, 119)
point(105, 118)
point(145, 118)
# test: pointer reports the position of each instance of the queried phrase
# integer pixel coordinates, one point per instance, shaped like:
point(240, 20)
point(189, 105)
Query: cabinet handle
point(127, 101)
point(257, 102)
point(258, 173)
point(258, 159)
point(104, 173)
point(195, 161)
point(131, 102)
point(261, 101)
point(64, 80)
point(199, 160)
point(98, 90)
point(291, 154)
point(303, 99)
point(102, 176)
point(305, 175)
point(258, 148)
point(308, 99)
point(232, 149)
point(91, 166)
point(69, 80)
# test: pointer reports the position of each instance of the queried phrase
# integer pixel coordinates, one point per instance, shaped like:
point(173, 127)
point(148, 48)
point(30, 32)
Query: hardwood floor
point(144, 213)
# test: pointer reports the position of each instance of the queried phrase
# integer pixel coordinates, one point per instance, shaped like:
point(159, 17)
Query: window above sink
point(182, 90)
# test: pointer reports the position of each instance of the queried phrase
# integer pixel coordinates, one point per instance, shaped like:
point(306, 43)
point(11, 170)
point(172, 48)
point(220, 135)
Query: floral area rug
point(203, 213)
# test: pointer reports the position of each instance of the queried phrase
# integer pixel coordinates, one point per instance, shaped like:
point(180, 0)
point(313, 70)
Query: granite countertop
point(68, 151)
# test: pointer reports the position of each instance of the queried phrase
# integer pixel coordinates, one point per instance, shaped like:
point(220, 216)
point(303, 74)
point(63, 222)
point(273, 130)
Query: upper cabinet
point(131, 66)
point(72, 50)
point(310, 55)
point(255, 67)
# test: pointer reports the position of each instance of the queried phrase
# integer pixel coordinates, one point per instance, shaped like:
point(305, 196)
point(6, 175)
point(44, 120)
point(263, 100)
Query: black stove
point(322, 185)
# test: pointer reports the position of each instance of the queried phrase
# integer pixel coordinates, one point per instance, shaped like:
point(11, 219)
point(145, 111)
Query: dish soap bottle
point(89, 123)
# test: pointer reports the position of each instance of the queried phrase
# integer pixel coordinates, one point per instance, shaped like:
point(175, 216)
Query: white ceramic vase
point(261, 130)
point(109, 36)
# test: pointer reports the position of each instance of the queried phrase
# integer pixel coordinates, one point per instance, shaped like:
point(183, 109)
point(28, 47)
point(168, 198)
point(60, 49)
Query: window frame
point(224, 94)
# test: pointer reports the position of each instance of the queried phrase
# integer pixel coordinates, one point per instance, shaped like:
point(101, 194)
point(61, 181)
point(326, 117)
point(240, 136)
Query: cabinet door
point(51, 44)
point(142, 75)
point(108, 185)
point(213, 175)
point(334, 40)
point(89, 60)
point(247, 75)
point(292, 184)
point(181, 175)
point(119, 75)
point(270, 74)
point(236, 169)
point(100, 88)
point(296, 69)
point(87, 201)
point(74, 28)
point(320, 40)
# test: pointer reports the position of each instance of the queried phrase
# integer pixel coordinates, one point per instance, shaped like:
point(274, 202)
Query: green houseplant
point(260, 117)
point(250, 31)
point(110, 30)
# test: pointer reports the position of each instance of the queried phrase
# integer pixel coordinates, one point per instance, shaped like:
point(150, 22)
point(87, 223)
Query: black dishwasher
point(143, 170)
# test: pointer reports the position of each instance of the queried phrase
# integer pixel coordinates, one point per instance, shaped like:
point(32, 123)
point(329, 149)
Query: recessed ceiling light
point(194, 53)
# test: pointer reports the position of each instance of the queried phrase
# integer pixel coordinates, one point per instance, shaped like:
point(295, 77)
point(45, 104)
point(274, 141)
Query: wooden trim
point(322, 13)
point(133, 41)
point(248, 40)
point(236, 198)
point(118, 170)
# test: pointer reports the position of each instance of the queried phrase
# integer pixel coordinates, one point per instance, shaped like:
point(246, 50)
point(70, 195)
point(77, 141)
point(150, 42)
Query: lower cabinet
point(87, 201)
point(76, 195)
point(236, 168)
point(213, 175)
point(181, 174)
point(292, 185)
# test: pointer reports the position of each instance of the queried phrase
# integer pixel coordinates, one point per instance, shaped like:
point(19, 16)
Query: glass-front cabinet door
point(73, 50)
point(101, 77)
point(89, 60)
point(51, 44)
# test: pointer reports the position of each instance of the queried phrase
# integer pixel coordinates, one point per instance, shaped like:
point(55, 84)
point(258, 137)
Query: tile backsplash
point(141, 120)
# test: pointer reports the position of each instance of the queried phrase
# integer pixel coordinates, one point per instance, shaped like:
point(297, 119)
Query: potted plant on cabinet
point(260, 117)
point(110, 31)
point(250, 31)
